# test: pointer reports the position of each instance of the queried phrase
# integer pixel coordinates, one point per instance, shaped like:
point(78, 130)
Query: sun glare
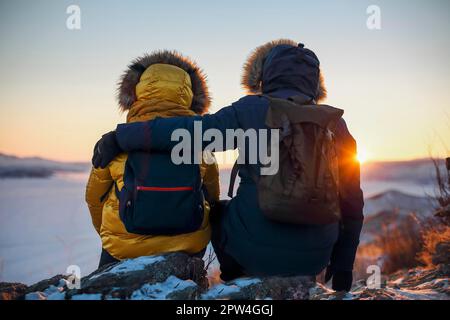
point(361, 156)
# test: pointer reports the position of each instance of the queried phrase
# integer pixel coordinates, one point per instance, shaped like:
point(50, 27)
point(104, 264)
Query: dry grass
point(403, 245)
point(442, 183)
point(400, 244)
point(431, 238)
point(212, 269)
point(438, 233)
point(396, 247)
point(409, 242)
point(210, 258)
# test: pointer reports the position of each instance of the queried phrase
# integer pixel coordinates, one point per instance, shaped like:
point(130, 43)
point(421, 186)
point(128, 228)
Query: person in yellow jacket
point(161, 84)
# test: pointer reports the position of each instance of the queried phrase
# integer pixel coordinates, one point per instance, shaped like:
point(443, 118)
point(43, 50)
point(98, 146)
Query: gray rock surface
point(178, 276)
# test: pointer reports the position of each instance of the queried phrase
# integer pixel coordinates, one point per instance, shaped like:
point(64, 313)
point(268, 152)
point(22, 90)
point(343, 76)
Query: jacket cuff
point(345, 248)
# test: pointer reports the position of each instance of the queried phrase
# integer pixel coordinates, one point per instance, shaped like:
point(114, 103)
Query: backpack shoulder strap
point(233, 175)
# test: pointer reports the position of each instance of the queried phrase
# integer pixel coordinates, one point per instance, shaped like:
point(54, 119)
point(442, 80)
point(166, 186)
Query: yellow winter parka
point(162, 90)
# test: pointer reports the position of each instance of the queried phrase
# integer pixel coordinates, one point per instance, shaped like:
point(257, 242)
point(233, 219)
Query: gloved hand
point(105, 150)
point(342, 280)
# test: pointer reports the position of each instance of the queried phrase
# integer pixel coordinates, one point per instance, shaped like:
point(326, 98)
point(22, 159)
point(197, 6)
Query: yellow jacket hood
point(137, 71)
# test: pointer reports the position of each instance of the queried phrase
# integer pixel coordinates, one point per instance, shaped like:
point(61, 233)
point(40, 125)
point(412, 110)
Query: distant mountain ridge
point(401, 203)
point(420, 171)
point(36, 167)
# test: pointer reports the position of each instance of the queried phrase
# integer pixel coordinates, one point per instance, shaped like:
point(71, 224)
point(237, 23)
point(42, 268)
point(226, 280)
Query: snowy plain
point(44, 228)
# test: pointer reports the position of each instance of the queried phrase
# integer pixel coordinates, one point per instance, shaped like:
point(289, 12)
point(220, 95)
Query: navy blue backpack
point(160, 197)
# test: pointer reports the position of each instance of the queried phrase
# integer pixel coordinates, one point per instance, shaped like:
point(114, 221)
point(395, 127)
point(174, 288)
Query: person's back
point(260, 245)
point(156, 85)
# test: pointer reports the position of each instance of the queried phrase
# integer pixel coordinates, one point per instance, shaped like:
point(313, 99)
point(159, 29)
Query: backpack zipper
point(169, 189)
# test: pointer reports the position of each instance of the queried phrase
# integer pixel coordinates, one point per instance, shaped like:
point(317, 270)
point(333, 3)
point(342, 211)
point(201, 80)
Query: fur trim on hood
point(253, 68)
point(126, 95)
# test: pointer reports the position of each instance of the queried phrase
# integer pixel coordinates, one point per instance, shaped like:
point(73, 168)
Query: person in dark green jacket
point(245, 241)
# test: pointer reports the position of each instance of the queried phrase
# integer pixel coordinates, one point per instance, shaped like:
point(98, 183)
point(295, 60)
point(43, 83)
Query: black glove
point(105, 150)
point(342, 280)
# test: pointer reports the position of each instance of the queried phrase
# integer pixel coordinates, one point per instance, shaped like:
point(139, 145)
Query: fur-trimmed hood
point(283, 64)
point(126, 95)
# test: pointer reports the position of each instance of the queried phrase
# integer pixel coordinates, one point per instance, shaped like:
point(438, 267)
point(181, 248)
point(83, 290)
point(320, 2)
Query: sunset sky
point(57, 86)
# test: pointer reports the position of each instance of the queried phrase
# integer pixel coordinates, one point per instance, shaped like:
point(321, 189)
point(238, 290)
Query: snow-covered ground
point(44, 228)
point(45, 225)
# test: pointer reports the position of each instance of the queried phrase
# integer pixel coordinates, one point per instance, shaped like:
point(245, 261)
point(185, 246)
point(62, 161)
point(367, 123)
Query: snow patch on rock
point(131, 265)
point(51, 293)
point(160, 291)
point(222, 291)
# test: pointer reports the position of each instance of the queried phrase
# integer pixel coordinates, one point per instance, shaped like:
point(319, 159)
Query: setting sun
point(362, 155)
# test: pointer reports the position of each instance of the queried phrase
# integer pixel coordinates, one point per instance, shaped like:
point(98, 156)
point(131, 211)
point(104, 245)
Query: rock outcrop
point(270, 288)
point(177, 276)
point(12, 291)
point(174, 276)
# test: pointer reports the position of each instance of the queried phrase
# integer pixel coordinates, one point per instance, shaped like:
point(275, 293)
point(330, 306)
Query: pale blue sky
point(57, 86)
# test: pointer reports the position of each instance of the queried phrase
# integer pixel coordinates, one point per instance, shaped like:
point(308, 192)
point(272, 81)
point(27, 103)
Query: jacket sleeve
point(99, 183)
point(351, 201)
point(156, 134)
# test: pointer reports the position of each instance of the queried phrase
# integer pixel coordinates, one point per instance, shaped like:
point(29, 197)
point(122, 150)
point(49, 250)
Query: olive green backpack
point(305, 190)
